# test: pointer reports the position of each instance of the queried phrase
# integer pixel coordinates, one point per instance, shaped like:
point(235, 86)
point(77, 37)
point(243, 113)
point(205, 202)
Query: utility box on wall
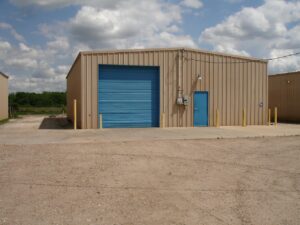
point(233, 84)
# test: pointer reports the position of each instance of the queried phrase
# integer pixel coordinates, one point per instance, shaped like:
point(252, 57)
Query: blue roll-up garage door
point(128, 96)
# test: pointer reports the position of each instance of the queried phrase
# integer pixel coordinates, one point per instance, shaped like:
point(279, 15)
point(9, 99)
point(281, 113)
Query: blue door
point(201, 109)
point(128, 96)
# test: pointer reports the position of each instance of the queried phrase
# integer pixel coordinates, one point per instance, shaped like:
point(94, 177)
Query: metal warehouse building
point(284, 93)
point(166, 88)
point(3, 96)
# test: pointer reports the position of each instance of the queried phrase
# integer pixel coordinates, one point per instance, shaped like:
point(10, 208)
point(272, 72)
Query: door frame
point(195, 92)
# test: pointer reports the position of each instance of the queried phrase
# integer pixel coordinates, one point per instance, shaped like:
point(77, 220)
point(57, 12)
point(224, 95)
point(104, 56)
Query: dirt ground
point(225, 181)
point(147, 177)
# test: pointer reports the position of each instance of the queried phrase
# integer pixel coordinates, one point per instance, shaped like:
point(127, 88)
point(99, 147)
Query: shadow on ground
point(55, 123)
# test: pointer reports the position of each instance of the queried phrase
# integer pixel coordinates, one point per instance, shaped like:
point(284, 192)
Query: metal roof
point(172, 49)
point(4, 75)
point(285, 73)
point(164, 49)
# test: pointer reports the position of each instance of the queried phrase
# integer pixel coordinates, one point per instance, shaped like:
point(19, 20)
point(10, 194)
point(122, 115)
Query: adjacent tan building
point(3, 96)
point(284, 93)
point(194, 87)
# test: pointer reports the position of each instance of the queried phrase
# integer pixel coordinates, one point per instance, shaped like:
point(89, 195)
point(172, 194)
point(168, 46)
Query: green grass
point(40, 110)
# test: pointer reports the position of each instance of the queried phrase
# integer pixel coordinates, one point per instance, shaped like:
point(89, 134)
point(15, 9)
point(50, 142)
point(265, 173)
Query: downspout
point(179, 78)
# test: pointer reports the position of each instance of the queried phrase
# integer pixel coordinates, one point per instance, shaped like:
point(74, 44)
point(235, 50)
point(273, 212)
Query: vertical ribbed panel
point(284, 93)
point(74, 91)
point(231, 86)
point(3, 97)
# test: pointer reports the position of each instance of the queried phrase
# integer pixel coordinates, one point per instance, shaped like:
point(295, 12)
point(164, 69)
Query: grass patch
point(29, 110)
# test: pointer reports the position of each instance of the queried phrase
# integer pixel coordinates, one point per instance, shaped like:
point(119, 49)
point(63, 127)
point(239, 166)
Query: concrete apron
point(31, 135)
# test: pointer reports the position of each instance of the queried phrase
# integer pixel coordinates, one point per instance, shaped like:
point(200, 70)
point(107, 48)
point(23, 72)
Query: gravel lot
point(158, 182)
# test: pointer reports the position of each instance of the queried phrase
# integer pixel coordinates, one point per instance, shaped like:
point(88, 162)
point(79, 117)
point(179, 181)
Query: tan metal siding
point(231, 86)
point(83, 91)
point(284, 93)
point(3, 97)
point(74, 89)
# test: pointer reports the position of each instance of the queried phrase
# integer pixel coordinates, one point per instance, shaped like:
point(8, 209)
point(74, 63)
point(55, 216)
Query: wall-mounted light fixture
point(199, 77)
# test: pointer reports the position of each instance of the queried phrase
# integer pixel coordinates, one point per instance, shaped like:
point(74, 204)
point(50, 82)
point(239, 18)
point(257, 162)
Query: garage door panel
point(128, 124)
point(137, 120)
point(126, 108)
point(128, 96)
point(123, 87)
point(138, 116)
point(123, 96)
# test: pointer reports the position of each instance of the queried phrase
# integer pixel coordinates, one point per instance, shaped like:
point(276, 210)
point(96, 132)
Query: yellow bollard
point(162, 120)
point(275, 116)
point(218, 119)
point(100, 121)
point(269, 117)
point(244, 118)
point(75, 114)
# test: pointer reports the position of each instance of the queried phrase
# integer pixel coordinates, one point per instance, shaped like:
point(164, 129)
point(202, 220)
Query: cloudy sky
point(39, 39)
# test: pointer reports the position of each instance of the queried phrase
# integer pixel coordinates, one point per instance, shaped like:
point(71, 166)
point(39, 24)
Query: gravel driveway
point(158, 182)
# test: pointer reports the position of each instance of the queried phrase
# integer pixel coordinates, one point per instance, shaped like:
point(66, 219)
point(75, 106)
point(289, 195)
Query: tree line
point(30, 99)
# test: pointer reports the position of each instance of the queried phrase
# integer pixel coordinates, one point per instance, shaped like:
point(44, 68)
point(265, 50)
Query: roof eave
point(79, 54)
point(4, 75)
point(174, 49)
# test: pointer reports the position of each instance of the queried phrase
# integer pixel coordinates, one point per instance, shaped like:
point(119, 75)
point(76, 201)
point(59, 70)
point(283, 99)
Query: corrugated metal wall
point(3, 97)
point(74, 91)
point(233, 83)
point(284, 93)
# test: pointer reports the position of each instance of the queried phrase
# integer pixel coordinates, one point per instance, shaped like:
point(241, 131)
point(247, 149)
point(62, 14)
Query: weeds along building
point(284, 93)
point(176, 87)
point(3, 96)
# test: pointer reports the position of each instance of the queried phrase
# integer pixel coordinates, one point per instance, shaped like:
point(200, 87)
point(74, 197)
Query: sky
point(39, 39)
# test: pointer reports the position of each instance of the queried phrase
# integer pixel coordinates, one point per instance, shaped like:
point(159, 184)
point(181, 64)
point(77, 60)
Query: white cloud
point(291, 40)
point(234, 1)
point(24, 47)
point(126, 24)
point(116, 24)
point(33, 68)
point(63, 69)
point(4, 45)
point(284, 64)
point(13, 32)
point(28, 83)
point(196, 4)
point(52, 4)
point(131, 23)
point(56, 3)
point(96, 25)
point(59, 43)
point(264, 31)
point(22, 63)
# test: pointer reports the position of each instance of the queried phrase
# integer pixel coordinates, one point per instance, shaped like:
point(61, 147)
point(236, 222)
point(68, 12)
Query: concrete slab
point(26, 131)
